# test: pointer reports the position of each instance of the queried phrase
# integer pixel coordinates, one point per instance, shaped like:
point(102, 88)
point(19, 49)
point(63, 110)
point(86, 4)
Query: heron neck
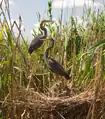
point(45, 32)
point(47, 50)
point(46, 53)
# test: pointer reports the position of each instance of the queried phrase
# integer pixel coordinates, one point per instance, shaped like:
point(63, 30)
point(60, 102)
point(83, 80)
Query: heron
point(37, 41)
point(52, 64)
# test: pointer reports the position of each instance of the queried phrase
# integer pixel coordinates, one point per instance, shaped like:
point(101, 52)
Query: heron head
point(45, 21)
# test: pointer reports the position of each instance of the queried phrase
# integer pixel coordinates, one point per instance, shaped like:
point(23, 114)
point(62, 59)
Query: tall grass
point(80, 48)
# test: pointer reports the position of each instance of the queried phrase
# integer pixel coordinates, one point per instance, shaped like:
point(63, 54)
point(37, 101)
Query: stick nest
point(30, 104)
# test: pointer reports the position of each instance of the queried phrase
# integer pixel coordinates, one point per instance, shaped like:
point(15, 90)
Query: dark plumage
point(53, 65)
point(37, 41)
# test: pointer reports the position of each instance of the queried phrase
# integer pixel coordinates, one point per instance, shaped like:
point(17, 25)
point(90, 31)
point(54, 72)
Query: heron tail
point(67, 76)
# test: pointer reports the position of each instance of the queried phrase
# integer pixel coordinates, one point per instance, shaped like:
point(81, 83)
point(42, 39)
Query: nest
point(27, 104)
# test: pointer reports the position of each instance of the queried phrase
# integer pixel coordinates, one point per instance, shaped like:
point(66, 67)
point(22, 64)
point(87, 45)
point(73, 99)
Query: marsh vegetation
point(29, 90)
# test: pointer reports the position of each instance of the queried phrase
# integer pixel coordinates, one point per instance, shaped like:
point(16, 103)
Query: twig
point(60, 115)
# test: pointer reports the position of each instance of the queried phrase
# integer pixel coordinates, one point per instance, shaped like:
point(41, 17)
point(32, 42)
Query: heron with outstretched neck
point(52, 64)
point(38, 40)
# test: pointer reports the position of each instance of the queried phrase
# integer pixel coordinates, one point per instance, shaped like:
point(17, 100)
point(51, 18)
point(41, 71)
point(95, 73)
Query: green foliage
point(68, 48)
point(16, 63)
point(50, 9)
point(80, 43)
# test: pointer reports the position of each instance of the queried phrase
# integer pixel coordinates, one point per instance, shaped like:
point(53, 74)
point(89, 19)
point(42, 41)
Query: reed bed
point(29, 90)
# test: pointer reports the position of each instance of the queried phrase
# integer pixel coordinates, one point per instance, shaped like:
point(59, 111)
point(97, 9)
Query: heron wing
point(56, 67)
point(36, 42)
point(36, 39)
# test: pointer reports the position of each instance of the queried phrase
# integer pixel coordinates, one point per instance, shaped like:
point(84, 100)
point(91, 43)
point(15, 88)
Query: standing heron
point(52, 64)
point(37, 41)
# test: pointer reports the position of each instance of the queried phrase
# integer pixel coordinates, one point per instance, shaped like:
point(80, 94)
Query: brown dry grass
point(28, 104)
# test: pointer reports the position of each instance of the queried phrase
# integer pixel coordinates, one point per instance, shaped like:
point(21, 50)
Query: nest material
point(28, 104)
